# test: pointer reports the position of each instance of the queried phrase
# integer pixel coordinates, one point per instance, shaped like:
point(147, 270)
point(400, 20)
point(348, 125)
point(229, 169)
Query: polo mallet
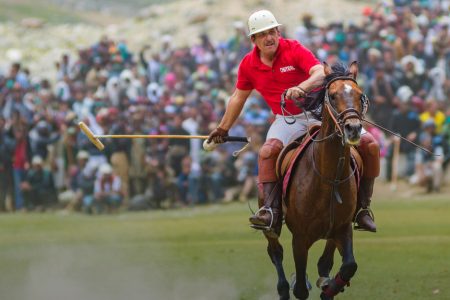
point(95, 139)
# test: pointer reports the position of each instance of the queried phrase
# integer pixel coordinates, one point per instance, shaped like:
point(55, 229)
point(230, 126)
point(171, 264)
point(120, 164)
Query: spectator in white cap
point(413, 74)
point(80, 184)
point(107, 191)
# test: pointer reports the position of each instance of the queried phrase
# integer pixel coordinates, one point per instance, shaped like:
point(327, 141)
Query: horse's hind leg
point(300, 251)
point(275, 251)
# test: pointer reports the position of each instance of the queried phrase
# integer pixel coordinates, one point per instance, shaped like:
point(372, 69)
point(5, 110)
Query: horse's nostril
point(353, 127)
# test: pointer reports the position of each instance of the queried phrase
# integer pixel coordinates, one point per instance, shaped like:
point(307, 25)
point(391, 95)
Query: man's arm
point(232, 112)
point(234, 108)
point(316, 78)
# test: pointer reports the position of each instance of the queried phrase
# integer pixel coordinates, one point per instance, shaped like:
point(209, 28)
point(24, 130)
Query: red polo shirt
point(290, 67)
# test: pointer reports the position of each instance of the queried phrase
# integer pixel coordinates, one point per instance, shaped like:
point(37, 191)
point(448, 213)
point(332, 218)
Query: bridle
point(339, 119)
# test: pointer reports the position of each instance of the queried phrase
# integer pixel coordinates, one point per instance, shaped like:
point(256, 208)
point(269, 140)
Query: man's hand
point(295, 92)
point(218, 135)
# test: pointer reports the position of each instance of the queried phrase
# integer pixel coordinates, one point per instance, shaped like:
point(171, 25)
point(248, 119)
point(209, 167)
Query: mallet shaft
point(149, 136)
point(168, 136)
point(95, 139)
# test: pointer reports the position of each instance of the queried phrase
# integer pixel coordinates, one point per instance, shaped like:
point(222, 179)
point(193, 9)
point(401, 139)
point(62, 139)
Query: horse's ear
point(326, 68)
point(354, 69)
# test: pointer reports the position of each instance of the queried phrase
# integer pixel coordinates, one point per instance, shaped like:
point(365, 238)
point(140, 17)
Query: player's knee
point(370, 145)
point(270, 149)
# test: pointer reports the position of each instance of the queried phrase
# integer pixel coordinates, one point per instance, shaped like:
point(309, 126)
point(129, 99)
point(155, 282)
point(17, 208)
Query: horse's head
point(345, 101)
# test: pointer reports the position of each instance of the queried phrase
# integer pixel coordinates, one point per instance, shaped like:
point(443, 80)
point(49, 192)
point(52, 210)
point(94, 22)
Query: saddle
point(294, 150)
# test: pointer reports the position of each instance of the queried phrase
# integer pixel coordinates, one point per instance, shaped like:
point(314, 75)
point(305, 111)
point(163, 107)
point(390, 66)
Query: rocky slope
point(39, 45)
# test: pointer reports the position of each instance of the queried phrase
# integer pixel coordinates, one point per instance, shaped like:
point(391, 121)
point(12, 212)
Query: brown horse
point(321, 198)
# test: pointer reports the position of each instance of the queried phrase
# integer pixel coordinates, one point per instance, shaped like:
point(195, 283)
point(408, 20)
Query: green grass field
point(209, 253)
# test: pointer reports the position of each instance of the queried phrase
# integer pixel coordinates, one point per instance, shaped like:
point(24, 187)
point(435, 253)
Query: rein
point(339, 120)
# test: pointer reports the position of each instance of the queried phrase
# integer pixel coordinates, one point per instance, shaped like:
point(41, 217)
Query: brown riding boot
point(364, 216)
point(268, 215)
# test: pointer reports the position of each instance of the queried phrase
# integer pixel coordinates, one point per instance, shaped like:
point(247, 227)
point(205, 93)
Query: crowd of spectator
point(46, 162)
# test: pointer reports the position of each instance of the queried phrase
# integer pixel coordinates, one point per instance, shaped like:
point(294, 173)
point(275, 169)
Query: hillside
point(39, 31)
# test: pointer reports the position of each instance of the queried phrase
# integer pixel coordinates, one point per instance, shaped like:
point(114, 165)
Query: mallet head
point(209, 146)
point(91, 136)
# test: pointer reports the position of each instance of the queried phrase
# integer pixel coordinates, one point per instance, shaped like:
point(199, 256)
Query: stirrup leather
point(361, 210)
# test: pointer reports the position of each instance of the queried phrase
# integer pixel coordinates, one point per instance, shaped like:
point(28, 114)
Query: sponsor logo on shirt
point(287, 69)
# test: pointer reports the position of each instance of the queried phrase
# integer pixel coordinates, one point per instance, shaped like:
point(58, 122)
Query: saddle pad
point(286, 175)
point(286, 154)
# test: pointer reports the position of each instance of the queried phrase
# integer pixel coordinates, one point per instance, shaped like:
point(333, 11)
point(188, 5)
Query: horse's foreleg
point(275, 251)
point(344, 242)
point(345, 247)
point(325, 263)
point(300, 251)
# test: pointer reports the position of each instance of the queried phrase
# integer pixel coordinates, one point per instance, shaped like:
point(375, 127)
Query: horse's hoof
point(293, 280)
point(285, 297)
point(308, 284)
point(283, 290)
point(323, 282)
point(325, 297)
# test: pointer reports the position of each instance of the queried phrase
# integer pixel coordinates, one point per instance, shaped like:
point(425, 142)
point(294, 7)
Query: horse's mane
point(314, 100)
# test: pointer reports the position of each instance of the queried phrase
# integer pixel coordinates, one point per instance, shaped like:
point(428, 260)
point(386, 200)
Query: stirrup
point(262, 227)
point(355, 223)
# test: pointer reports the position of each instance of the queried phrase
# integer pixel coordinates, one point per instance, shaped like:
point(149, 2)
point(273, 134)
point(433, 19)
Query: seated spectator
point(6, 151)
point(161, 182)
point(182, 181)
point(107, 191)
point(80, 188)
point(247, 166)
point(178, 148)
point(429, 167)
point(446, 136)
point(38, 187)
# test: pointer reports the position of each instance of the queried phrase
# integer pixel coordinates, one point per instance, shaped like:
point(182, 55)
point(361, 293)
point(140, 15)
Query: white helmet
point(260, 21)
